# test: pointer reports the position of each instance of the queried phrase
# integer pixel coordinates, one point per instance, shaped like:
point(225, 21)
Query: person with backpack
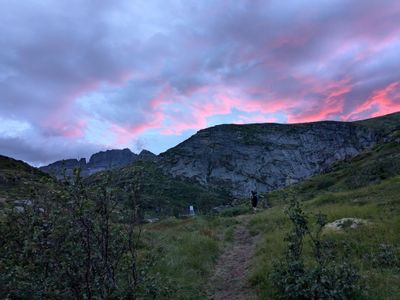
point(254, 200)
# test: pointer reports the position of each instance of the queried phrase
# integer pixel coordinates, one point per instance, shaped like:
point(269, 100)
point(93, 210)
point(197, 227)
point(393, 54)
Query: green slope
point(383, 124)
point(160, 193)
point(18, 179)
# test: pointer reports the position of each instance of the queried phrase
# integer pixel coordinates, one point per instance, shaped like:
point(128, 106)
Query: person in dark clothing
point(254, 200)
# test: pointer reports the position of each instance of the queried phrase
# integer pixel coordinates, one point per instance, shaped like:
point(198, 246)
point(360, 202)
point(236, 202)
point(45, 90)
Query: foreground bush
point(71, 245)
point(325, 277)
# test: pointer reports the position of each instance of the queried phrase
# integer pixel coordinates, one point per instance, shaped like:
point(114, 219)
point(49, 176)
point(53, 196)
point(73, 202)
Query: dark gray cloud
point(39, 153)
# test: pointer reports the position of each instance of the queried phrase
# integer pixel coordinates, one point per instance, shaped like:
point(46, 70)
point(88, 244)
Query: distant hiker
point(254, 200)
point(265, 203)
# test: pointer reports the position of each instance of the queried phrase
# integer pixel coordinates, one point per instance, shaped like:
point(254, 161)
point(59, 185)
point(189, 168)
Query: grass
point(236, 210)
point(378, 203)
point(185, 252)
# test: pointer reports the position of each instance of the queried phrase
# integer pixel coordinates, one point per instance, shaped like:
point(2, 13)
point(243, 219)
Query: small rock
point(23, 202)
point(221, 208)
point(19, 209)
point(151, 220)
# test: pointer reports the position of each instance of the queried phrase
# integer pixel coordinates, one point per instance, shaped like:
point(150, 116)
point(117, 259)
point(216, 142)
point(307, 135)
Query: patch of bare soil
point(230, 279)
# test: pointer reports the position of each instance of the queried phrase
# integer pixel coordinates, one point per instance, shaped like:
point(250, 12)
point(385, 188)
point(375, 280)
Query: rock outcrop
point(98, 162)
point(64, 167)
point(105, 160)
point(264, 157)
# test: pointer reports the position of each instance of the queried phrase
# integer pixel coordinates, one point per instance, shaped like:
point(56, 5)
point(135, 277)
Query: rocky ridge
point(101, 161)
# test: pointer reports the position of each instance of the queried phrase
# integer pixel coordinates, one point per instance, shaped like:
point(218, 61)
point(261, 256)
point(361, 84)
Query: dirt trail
point(230, 280)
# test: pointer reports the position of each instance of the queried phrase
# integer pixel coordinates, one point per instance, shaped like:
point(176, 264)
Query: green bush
point(66, 245)
point(325, 277)
point(386, 256)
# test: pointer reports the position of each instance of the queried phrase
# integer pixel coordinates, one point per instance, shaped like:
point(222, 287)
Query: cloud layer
point(81, 76)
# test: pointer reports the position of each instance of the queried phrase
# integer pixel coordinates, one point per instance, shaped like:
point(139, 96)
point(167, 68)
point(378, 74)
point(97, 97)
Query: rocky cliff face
point(264, 157)
point(98, 162)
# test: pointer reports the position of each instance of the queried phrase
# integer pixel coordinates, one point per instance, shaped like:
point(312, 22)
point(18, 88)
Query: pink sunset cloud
point(381, 102)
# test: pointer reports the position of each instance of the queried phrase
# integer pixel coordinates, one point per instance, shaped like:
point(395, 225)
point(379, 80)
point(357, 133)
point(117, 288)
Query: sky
point(79, 76)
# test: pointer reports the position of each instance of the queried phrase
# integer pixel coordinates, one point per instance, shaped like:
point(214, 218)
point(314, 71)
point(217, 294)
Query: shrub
point(66, 245)
point(387, 256)
point(322, 278)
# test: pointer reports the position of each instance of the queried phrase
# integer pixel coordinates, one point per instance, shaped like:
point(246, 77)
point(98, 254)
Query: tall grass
point(185, 252)
point(378, 203)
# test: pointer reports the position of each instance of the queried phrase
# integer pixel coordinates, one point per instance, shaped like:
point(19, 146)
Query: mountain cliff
point(265, 157)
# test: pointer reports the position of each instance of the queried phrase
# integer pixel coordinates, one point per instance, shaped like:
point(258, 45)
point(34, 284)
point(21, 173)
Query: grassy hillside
point(18, 179)
point(160, 193)
point(384, 124)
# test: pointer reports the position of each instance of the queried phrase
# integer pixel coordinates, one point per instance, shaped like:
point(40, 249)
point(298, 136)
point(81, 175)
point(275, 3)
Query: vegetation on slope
point(18, 179)
point(384, 124)
point(162, 194)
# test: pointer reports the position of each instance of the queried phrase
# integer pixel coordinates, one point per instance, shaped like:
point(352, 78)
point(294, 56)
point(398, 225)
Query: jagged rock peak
point(99, 161)
point(145, 154)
